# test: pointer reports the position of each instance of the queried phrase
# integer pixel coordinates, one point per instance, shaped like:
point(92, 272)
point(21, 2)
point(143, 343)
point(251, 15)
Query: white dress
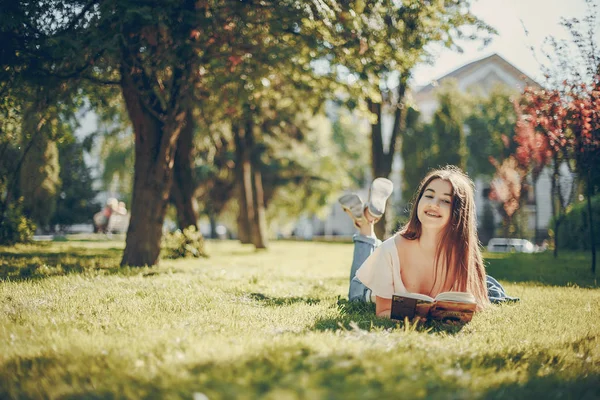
point(381, 271)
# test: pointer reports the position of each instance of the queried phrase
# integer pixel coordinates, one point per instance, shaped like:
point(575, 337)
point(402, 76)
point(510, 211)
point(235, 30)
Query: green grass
point(245, 324)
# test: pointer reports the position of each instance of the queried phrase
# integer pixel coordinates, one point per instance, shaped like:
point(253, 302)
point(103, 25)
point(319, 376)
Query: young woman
point(436, 251)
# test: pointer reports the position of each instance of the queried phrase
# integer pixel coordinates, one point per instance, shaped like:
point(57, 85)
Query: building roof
point(470, 67)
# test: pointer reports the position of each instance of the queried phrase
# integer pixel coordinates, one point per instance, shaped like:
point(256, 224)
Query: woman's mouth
point(432, 214)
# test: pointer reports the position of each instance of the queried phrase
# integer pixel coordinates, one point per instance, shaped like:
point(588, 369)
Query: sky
point(510, 18)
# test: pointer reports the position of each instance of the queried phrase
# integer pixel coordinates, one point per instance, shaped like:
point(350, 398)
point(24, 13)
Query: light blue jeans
point(363, 248)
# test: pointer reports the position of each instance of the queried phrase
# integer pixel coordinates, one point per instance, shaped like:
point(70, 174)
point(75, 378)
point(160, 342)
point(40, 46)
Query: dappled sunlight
point(276, 323)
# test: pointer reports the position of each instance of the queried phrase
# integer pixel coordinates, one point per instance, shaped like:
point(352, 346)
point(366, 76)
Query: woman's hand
point(383, 307)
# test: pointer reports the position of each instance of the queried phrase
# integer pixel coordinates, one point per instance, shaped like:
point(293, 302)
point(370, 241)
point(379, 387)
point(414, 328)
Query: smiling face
point(435, 206)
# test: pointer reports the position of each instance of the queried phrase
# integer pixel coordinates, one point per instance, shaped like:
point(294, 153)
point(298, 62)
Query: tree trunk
point(259, 227)
point(591, 220)
point(155, 144)
point(213, 225)
point(536, 223)
point(157, 109)
point(557, 222)
point(243, 172)
point(381, 162)
point(182, 190)
point(553, 197)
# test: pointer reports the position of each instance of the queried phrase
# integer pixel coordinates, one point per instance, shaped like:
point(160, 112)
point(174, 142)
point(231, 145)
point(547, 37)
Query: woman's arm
point(383, 307)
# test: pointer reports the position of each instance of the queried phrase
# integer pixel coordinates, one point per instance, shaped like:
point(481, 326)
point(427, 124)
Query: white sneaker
point(381, 189)
point(369, 296)
point(354, 206)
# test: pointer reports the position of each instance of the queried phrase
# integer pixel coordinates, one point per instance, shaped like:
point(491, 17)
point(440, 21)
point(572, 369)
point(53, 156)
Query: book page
point(459, 297)
point(417, 296)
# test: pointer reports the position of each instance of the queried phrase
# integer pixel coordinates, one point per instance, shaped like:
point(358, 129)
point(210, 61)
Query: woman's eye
point(429, 197)
point(447, 201)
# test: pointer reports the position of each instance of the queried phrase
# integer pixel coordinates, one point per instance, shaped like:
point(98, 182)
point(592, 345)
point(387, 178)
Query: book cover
point(447, 307)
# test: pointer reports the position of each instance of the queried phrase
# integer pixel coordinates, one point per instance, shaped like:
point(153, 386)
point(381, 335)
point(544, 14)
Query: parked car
point(504, 245)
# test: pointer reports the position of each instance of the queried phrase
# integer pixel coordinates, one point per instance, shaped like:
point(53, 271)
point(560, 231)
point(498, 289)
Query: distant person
point(436, 251)
point(102, 218)
point(121, 209)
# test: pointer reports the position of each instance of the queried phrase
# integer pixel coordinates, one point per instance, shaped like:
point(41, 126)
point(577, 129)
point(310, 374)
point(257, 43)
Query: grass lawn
point(245, 324)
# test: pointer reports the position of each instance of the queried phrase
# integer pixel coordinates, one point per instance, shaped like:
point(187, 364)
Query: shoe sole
point(354, 206)
point(381, 189)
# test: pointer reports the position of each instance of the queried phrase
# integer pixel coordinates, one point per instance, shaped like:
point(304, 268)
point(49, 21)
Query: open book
point(447, 306)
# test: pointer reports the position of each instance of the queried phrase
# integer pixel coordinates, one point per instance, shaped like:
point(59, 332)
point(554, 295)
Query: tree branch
point(101, 81)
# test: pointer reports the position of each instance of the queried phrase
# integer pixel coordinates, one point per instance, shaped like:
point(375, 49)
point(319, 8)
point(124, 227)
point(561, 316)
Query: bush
point(14, 226)
point(188, 243)
point(574, 230)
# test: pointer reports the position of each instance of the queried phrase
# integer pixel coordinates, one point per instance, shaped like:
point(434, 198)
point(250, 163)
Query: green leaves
point(491, 126)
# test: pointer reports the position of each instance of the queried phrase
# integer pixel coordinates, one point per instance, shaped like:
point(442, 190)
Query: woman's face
point(435, 206)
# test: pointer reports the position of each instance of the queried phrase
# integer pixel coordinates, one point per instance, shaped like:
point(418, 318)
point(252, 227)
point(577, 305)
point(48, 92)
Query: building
point(476, 77)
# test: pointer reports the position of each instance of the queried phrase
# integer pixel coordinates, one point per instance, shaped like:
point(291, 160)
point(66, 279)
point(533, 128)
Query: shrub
point(574, 230)
point(188, 243)
point(14, 226)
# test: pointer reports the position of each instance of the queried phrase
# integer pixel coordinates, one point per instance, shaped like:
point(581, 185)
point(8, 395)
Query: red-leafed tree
point(506, 188)
point(533, 152)
point(543, 137)
point(584, 122)
point(569, 115)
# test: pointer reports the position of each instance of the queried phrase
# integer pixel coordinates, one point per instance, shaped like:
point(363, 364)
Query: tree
point(15, 227)
point(545, 112)
point(75, 201)
point(303, 175)
point(33, 118)
point(182, 190)
point(157, 86)
point(579, 62)
point(487, 228)
point(584, 120)
point(39, 180)
point(417, 153)
point(533, 152)
point(117, 155)
point(155, 60)
point(213, 167)
point(506, 188)
point(491, 125)
point(351, 141)
point(268, 91)
point(449, 139)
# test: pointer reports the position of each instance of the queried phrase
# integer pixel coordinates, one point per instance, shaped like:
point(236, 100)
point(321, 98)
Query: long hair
point(457, 253)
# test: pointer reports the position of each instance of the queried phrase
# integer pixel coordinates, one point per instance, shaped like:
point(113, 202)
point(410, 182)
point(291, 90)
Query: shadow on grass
point(542, 374)
point(569, 269)
point(297, 372)
point(282, 301)
point(358, 315)
point(36, 264)
point(550, 387)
